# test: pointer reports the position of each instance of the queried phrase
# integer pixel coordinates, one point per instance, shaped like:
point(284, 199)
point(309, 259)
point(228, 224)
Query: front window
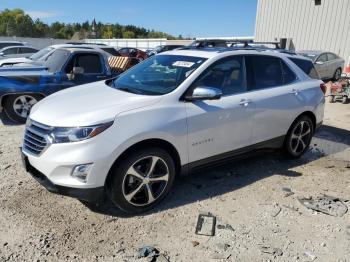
point(158, 75)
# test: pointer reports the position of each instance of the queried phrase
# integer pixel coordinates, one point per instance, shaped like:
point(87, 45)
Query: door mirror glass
point(205, 93)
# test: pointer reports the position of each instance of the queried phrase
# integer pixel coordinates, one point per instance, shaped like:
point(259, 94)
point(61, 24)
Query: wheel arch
point(154, 142)
point(309, 114)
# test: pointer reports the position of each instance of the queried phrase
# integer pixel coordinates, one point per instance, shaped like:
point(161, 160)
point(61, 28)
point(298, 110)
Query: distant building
point(306, 24)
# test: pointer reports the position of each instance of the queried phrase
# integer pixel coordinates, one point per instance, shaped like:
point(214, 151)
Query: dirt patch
point(257, 198)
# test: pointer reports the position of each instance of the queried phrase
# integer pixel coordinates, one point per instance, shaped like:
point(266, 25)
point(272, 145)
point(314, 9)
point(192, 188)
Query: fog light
point(80, 172)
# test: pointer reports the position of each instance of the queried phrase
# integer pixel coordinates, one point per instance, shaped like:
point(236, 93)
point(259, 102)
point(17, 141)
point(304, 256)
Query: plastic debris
point(287, 191)
point(206, 224)
point(227, 226)
point(329, 205)
point(148, 251)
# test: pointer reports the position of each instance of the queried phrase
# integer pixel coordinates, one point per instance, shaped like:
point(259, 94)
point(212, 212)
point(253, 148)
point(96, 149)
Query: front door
point(220, 126)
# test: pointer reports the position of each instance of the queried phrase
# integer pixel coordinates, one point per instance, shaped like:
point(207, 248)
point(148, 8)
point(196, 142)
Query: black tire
point(122, 181)
point(11, 101)
point(296, 143)
point(331, 99)
point(337, 74)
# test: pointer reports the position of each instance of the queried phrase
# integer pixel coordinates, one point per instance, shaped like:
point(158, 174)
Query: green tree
point(128, 34)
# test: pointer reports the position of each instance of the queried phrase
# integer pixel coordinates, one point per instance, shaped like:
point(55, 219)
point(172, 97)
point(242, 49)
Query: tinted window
point(90, 62)
point(307, 66)
point(288, 75)
point(124, 51)
point(263, 72)
point(158, 75)
point(226, 75)
point(26, 50)
point(322, 58)
point(10, 51)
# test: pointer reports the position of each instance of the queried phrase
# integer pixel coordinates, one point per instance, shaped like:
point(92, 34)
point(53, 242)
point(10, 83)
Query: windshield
point(40, 53)
point(158, 75)
point(56, 60)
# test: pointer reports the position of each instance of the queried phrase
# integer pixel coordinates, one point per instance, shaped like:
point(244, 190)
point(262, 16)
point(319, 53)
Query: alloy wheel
point(23, 104)
point(145, 181)
point(301, 137)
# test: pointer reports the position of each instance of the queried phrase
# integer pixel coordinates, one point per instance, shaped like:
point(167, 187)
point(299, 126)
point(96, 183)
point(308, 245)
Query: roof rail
point(236, 44)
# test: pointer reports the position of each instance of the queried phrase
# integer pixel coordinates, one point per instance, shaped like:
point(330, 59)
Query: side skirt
point(275, 143)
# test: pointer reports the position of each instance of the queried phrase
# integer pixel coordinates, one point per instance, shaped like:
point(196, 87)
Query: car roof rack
point(229, 45)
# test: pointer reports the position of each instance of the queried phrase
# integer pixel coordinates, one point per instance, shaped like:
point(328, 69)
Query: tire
point(337, 74)
point(331, 99)
point(17, 107)
point(132, 180)
point(299, 137)
point(344, 99)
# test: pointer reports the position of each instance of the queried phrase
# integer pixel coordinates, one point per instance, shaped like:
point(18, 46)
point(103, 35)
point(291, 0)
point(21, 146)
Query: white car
point(128, 138)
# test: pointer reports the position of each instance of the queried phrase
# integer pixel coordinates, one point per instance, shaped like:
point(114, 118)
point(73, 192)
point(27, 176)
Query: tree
point(128, 34)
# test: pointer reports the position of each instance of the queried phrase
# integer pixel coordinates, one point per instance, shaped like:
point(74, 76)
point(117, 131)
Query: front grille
point(36, 138)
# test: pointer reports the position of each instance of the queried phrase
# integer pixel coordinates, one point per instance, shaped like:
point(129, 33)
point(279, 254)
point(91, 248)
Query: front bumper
point(91, 195)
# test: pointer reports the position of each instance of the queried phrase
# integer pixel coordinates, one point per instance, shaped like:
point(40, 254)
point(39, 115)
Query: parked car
point(328, 65)
point(4, 44)
point(163, 48)
point(133, 52)
point(17, 51)
point(22, 87)
point(128, 138)
point(40, 57)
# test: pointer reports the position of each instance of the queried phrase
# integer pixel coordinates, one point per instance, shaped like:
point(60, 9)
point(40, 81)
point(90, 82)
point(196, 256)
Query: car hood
point(87, 105)
point(15, 60)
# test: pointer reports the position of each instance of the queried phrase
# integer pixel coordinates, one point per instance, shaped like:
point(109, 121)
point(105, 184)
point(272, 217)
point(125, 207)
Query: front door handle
point(295, 91)
point(245, 102)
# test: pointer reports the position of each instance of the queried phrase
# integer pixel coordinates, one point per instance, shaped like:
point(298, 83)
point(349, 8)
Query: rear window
point(306, 66)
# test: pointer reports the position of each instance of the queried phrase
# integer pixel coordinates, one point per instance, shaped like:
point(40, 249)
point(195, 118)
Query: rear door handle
point(245, 102)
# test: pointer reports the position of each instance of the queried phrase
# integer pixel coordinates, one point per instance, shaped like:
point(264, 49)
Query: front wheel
point(337, 74)
point(142, 180)
point(299, 137)
point(17, 107)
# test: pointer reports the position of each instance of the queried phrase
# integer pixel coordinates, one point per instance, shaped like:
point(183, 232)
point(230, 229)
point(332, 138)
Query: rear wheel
point(337, 74)
point(142, 180)
point(17, 107)
point(299, 137)
point(345, 99)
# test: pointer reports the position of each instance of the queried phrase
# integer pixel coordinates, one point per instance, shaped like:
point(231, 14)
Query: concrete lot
point(247, 195)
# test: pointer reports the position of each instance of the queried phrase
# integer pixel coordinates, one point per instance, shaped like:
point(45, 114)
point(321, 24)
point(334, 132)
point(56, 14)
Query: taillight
point(323, 88)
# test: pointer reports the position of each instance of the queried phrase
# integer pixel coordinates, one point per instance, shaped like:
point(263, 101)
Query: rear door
point(322, 66)
point(274, 90)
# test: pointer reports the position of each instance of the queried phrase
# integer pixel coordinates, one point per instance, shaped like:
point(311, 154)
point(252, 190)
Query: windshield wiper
point(134, 91)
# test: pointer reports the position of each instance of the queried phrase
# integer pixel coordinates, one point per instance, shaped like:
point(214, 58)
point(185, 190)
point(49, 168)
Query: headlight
point(75, 134)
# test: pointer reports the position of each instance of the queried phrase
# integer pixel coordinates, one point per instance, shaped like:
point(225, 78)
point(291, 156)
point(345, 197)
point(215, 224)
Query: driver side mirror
point(204, 93)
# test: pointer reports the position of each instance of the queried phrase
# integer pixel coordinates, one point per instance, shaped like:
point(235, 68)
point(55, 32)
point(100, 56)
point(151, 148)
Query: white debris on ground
point(255, 202)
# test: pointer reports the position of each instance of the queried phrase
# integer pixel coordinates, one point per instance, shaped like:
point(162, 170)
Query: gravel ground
point(268, 222)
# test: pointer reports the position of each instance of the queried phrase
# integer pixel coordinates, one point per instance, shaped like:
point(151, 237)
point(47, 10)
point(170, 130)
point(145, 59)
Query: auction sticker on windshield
point(183, 64)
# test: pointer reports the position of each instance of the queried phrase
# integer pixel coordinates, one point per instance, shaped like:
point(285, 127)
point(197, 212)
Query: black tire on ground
point(123, 185)
point(331, 99)
point(299, 137)
point(344, 99)
point(337, 74)
point(11, 101)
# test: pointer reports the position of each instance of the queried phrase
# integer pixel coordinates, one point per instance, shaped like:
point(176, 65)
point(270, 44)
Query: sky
point(190, 18)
